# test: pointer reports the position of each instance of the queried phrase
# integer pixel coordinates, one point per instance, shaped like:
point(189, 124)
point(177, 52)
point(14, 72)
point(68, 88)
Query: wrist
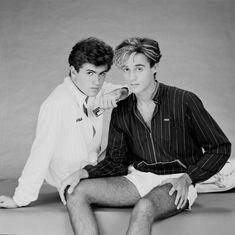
point(121, 93)
point(16, 205)
point(187, 178)
point(124, 92)
point(83, 174)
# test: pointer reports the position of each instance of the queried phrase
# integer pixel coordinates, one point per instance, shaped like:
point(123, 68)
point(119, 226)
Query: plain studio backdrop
point(196, 38)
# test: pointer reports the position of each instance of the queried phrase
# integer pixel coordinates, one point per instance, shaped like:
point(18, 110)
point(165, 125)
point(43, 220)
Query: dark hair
point(146, 46)
point(93, 51)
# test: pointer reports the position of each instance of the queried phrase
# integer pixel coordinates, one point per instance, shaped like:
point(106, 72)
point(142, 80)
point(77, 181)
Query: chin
point(136, 91)
point(93, 93)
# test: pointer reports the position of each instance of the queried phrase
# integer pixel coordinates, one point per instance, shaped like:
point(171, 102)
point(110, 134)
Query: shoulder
point(121, 114)
point(58, 98)
point(175, 90)
point(179, 94)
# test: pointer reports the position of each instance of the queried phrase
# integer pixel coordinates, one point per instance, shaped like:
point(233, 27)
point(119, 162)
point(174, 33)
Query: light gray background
point(196, 38)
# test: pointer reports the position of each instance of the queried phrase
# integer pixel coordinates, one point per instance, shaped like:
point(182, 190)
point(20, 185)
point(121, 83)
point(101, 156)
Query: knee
point(144, 207)
point(78, 196)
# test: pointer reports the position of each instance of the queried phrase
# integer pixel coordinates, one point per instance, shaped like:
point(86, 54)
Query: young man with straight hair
point(162, 141)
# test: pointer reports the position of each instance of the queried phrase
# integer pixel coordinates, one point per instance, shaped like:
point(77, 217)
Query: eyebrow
point(104, 71)
point(126, 66)
point(91, 70)
point(140, 65)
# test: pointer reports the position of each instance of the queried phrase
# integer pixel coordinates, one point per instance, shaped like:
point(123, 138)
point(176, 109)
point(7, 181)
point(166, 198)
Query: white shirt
point(64, 140)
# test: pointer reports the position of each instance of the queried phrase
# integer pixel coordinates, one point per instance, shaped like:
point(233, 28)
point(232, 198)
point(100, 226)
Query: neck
point(77, 86)
point(147, 96)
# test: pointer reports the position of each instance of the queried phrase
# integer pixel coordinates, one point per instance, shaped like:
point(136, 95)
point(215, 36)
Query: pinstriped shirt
point(183, 138)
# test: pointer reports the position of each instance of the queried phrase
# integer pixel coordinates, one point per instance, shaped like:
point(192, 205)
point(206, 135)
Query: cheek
point(102, 82)
point(83, 83)
point(87, 81)
point(126, 77)
point(142, 77)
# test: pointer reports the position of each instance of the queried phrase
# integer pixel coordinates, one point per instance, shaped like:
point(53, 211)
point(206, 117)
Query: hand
point(71, 181)
point(181, 186)
point(7, 202)
point(109, 100)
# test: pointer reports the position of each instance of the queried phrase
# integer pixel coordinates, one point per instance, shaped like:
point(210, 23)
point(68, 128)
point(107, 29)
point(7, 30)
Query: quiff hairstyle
point(148, 47)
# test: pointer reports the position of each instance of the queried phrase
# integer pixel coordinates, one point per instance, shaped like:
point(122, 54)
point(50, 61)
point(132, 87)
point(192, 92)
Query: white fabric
point(64, 140)
point(146, 181)
point(222, 181)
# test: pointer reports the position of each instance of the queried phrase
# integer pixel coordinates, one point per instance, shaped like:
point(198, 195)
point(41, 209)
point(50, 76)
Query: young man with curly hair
point(69, 131)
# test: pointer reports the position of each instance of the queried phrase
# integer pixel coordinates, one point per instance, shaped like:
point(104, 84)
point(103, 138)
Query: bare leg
point(156, 205)
point(113, 191)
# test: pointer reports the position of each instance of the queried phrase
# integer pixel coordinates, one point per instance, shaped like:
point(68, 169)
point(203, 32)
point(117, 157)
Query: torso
point(146, 110)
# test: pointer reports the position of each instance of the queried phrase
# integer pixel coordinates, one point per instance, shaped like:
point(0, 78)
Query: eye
point(125, 70)
point(90, 73)
point(102, 75)
point(139, 69)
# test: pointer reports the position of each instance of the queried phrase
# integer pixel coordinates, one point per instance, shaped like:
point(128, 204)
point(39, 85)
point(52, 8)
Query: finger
point(184, 203)
point(185, 199)
point(72, 186)
point(114, 103)
point(171, 192)
point(62, 197)
point(178, 197)
point(61, 193)
point(3, 205)
point(180, 203)
point(2, 198)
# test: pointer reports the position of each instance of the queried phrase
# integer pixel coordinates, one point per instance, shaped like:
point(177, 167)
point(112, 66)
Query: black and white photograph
point(117, 117)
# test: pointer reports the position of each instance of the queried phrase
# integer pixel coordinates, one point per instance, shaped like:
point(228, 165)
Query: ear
point(155, 67)
point(73, 72)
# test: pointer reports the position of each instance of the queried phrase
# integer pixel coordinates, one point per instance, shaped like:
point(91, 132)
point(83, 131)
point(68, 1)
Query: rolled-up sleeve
point(208, 134)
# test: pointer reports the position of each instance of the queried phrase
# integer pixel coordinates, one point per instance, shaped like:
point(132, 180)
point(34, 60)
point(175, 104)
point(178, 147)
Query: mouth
point(95, 88)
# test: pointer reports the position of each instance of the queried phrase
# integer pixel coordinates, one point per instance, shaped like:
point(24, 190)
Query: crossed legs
point(118, 192)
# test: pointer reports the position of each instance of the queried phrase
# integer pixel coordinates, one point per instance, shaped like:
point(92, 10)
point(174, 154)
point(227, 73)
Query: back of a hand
point(7, 202)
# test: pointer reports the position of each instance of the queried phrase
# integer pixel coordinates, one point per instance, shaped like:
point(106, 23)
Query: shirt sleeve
point(108, 87)
point(115, 162)
point(42, 150)
point(208, 134)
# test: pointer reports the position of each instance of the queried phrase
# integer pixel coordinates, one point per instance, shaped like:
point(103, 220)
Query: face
point(89, 79)
point(138, 74)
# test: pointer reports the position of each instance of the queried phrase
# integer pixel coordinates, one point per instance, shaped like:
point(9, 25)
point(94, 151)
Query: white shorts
point(146, 181)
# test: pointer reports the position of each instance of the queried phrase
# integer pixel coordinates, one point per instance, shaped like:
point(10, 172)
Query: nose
point(96, 79)
point(132, 76)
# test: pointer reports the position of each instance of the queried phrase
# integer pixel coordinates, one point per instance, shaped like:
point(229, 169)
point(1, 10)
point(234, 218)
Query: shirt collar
point(76, 93)
point(156, 93)
point(156, 96)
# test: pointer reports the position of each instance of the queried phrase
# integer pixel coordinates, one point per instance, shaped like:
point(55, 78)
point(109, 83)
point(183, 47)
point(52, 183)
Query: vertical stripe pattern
point(183, 138)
